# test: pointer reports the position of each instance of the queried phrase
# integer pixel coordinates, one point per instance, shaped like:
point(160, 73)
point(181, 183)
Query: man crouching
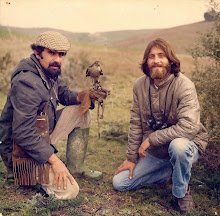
point(36, 88)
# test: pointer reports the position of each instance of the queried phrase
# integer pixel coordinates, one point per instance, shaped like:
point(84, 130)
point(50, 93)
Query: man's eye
point(62, 54)
point(161, 55)
point(51, 52)
point(151, 56)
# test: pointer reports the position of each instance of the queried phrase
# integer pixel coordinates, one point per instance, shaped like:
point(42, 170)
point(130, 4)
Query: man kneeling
point(36, 90)
point(166, 136)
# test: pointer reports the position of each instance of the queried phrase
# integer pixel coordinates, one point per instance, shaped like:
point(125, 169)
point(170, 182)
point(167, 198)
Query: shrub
point(75, 72)
point(6, 68)
point(212, 13)
point(206, 77)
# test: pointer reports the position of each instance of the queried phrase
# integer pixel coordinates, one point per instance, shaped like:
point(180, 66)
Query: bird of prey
point(94, 71)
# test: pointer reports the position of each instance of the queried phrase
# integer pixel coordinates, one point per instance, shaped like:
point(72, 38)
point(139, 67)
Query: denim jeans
point(183, 153)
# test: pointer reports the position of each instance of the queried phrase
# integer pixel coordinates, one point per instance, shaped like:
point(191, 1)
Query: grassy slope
point(181, 37)
point(84, 37)
point(121, 69)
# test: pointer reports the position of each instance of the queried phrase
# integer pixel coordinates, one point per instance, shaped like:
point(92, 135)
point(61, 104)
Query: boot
point(186, 203)
point(76, 151)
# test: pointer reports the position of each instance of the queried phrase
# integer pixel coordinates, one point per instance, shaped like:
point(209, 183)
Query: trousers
point(68, 120)
point(182, 154)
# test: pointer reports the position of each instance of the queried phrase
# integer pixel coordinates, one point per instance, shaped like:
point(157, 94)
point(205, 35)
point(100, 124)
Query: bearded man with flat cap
point(36, 85)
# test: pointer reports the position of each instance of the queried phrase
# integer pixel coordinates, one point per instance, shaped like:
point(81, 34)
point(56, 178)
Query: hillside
point(99, 38)
point(181, 37)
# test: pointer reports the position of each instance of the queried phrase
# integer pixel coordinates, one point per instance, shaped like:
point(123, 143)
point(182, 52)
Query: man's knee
point(179, 147)
point(116, 183)
point(120, 183)
point(70, 193)
point(84, 120)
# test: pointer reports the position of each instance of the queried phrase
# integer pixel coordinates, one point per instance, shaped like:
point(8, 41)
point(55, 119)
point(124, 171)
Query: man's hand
point(126, 165)
point(85, 97)
point(98, 95)
point(61, 173)
point(143, 147)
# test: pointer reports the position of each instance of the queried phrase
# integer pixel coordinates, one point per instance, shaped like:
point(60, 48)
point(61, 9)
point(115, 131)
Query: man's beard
point(53, 73)
point(159, 72)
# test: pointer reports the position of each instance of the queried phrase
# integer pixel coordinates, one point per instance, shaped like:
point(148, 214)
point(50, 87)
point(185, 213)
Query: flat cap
point(53, 41)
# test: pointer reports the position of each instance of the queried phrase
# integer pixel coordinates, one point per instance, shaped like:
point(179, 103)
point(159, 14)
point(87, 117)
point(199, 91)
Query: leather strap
point(45, 107)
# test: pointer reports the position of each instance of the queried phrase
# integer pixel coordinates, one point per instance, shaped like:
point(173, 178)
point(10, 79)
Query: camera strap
point(164, 113)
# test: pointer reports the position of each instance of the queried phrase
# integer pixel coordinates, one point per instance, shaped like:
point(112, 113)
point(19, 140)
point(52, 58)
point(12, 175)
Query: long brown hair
point(167, 48)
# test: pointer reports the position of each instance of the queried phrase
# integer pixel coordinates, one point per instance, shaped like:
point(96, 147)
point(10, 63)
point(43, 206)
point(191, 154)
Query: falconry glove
point(87, 99)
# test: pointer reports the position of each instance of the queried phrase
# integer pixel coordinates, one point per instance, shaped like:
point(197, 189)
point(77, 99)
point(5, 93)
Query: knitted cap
point(53, 41)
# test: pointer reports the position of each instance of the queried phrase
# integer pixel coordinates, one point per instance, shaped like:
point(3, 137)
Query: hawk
point(94, 71)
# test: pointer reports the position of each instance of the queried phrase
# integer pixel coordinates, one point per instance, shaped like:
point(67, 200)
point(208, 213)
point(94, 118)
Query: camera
point(156, 124)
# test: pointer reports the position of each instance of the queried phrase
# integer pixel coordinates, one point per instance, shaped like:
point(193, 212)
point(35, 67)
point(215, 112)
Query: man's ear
point(37, 55)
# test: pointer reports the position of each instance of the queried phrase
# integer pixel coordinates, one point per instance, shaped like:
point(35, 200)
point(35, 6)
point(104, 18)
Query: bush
point(210, 16)
point(206, 77)
point(212, 13)
point(75, 73)
point(6, 68)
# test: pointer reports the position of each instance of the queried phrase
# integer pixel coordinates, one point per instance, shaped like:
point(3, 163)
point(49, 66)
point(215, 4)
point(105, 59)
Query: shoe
point(39, 188)
point(186, 203)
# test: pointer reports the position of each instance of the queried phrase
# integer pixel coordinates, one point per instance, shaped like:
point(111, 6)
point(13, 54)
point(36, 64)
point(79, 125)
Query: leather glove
point(84, 99)
point(88, 98)
point(97, 95)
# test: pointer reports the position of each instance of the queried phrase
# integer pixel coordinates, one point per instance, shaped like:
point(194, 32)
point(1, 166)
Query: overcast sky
point(101, 15)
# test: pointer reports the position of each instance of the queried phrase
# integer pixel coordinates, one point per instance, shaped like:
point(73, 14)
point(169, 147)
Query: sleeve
point(65, 95)
point(25, 99)
point(135, 135)
point(188, 118)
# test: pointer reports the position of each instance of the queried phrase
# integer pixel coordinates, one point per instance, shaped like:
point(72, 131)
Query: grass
point(121, 69)
point(99, 197)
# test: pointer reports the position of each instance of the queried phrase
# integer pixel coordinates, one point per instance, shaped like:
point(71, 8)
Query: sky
point(101, 15)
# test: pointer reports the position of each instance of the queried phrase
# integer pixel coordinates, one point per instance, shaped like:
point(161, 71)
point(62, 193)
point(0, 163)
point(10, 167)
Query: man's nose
point(156, 59)
point(56, 57)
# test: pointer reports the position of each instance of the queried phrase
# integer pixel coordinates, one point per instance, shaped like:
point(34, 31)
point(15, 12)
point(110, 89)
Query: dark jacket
point(30, 90)
point(182, 115)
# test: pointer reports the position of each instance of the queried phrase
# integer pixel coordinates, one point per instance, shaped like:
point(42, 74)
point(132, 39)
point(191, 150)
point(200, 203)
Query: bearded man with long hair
point(166, 136)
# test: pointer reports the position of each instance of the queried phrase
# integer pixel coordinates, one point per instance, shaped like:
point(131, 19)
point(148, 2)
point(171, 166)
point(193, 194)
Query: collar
point(47, 81)
point(164, 82)
point(44, 78)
